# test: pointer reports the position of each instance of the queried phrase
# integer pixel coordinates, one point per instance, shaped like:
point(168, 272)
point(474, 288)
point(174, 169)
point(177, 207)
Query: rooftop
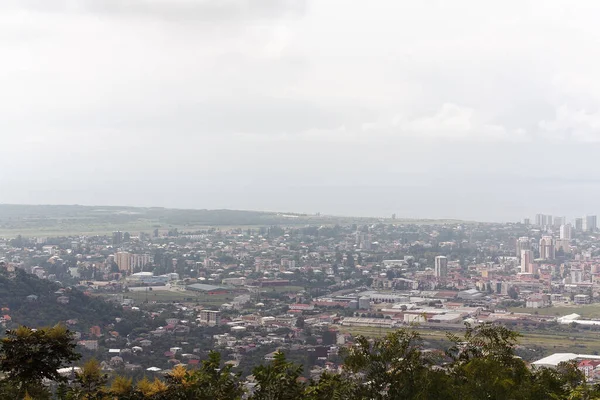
point(557, 358)
point(204, 287)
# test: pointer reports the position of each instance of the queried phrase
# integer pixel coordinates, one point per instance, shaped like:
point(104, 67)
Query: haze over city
point(426, 109)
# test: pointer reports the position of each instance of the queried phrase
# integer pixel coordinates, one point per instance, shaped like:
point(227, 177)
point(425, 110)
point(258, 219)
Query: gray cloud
point(255, 115)
point(460, 109)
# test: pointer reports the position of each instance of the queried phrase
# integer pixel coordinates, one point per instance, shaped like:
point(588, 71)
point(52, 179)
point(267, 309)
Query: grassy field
point(282, 289)
point(107, 229)
point(167, 296)
point(582, 342)
point(586, 311)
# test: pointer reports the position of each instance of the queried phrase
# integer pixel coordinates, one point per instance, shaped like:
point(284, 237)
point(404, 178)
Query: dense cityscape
point(299, 200)
point(308, 291)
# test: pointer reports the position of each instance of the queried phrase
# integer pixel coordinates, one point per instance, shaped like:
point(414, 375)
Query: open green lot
point(282, 289)
point(586, 310)
point(167, 296)
point(560, 341)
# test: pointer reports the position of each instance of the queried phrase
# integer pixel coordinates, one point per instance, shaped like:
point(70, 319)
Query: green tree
point(122, 389)
point(29, 356)
point(278, 380)
point(89, 384)
point(394, 367)
point(210, 382)
point(330, 387)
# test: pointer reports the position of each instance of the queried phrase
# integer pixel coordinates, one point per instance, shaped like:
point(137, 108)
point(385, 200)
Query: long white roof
point(556, 358)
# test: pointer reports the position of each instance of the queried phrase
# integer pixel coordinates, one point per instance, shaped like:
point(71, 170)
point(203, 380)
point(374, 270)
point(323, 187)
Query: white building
point(526, 261)
point(576, 275)
point(582, 299)
point(589, 223)
point(139, 261)
point(553, 360)
point(209, 317)
point(441, 267)
point(565, 231)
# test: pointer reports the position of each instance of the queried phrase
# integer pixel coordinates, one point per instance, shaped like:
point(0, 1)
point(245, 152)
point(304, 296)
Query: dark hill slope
point(46, 310)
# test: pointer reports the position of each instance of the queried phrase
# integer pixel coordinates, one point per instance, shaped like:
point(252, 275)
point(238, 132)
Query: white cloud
point(451, 122)
point(572, 124)
point(225, 92)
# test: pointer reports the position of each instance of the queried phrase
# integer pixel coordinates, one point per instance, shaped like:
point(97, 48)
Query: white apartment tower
point(527, 261)
point(539, 219)
point(566, 231)
point(441, 267)
point(209, 317)
point(139, 261)
point(589, 223)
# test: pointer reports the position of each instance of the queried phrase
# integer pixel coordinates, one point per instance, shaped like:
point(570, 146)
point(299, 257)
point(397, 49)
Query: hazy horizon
point(462, 110)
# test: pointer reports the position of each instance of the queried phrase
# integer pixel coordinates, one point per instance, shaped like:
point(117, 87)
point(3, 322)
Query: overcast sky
point(463, 109)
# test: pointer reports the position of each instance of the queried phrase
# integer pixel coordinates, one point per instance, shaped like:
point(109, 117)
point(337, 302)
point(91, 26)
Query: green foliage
point(481, 364)
point(331, 387)
point(45, 311)
point(278, 380)
point(210, 382)
point(28, 357)
point(394, 367)
point(89, 383)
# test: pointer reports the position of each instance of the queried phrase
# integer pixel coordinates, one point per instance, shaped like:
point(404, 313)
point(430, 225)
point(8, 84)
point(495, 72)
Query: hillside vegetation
point(46, 310)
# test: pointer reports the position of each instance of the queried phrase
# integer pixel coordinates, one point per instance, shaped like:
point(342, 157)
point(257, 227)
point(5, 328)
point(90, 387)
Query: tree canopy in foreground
point(480, 364)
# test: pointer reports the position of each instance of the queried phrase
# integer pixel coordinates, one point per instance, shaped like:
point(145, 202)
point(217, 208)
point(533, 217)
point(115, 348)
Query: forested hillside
point(17, 291)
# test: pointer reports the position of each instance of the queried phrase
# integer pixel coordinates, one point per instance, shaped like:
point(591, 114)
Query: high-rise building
point(564, 245)
point(579, 224)
point(527, 261)
point(139, 261)
point(547, 250)
point(539, 219)
point(441, 267)
point(117, 238)
point(559, 221)
point(523, 243)
point(123, 260)
point(209, 317)
point(544, 221)
point(589, 223)
point(576, 275)
point(565, 231)
point(526, 221)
